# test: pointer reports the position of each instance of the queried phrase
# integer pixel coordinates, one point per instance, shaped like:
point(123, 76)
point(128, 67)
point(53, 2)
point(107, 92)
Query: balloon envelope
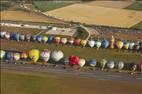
point(81, 62)
point(105, 43)
point(15, 36)
point(50, 39)
point(2, 54)
point(110, 64)
point(57, 55)
point(9, 55)
point(77, 41)
point(93, 62)
point(64, 40)
point(34, 55)
point(131, 45)
point(16, 56)
point(24, 55)
point(83, 42)
point(91, 43)
point(44, 38)
point(22, 37)
point(103, 62)
point(66, 61)
point(71, 40)
point(57, 40)
point(45, 55)
point(28, 37)
point(39, 38)
point(126, 45)
point(98, 44)
point(2, 34)
point(7, 36)
point(120, 65)
point(73, 60)
point(119, 44)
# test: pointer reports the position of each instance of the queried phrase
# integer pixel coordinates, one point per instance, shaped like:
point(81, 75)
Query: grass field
point(16, 82)
point(111, 4)
point(86, 52)
point(138, 26)
point(135, 6)
point(50, 5)
point(94, 15)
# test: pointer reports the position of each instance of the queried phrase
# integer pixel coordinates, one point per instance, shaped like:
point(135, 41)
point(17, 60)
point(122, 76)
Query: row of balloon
point(57, 56)
point(105, 43)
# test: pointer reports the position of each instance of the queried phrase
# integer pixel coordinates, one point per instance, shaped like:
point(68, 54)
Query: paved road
point(113, 76)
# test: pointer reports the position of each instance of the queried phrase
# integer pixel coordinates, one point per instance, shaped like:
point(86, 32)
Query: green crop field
point(135, 6)
point(49, 5)
point(138, 26)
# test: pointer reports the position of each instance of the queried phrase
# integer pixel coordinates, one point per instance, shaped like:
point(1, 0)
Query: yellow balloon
point(2, 53)
point(119, 44)
point(34, 55)
point(83, 42)
point(45, 38)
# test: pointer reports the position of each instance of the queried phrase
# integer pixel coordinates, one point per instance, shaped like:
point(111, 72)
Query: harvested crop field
point(28, 16)
point(94, 15)
point(111, 4)
point(20, 30)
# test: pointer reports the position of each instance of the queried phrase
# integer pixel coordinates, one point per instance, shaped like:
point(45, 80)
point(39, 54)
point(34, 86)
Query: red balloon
point(74, 60)
point(77, 41)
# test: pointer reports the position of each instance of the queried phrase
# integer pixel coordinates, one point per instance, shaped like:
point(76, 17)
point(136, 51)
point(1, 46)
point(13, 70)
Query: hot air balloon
point(16, 36)
point(71, 41)
point(73, 60)
point(91, 43)
point(64, 40)
point(50, 39)
point(2, 54)
point(57, 55)
point(81, 62)
point(34, 55)
point(66, 62)
point(45, 39)
point(45, 55)
point(103, 63)
point(24, 55)
point(119, 44)
point(131, 45)
point(33, 38)
point(7, 36)
point(39, 38)
point(112, 41)
point(134, 67)
point(98, 44)
point(105, 43)
point(9, 56)
point(2, 34)
point(28, 37)
point(137, 45)
point(110, 65)
point(77, 41)
point(120, 65)
point(57, 40)
point(16, 57)
point(22, 37)
point(83, 43)
point(93, 62)
point(126, 45)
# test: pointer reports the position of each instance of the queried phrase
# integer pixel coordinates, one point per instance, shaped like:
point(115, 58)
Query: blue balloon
point(39, 38)
point(50, 39)
point(93, 62)
point(9, 56)
point(105, 43)
point(15, 36)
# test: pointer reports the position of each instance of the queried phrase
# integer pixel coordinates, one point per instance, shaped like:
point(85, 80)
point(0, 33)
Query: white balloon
point(45, 55)
point(57, 55)
point(98, 44)
point(64, 40)
point(16, 56)
point(2, 34)
point(91, 43)
point(120, 65)
point(2, 54)
point(81, 62)
point(131, 45)
point(22, 37)
point(110, 65)
point(7, 36)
